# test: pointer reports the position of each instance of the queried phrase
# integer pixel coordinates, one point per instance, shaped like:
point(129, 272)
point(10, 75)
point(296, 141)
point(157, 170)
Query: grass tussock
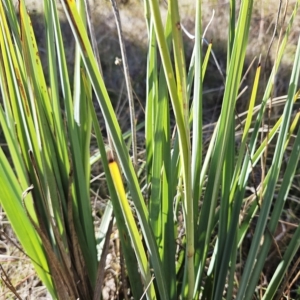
point(191, 192)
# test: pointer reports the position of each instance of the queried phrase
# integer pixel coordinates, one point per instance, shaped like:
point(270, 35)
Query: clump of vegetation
point(184, 214)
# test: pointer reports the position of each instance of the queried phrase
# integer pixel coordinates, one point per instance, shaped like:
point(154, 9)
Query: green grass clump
point(48, 129)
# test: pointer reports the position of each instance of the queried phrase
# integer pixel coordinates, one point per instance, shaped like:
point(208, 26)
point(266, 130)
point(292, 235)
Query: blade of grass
point(114, 130)
point(226, 119)
point(158, 160)
point(133, 230)
point(131, 263)
point(270, 188)
point(181, 121)
point(17, 216)
point(228, 235)
point(81, 207)
point(197, 114)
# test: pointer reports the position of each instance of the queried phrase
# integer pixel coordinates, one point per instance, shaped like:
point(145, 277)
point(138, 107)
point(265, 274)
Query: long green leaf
point(115, 132)
point(226, 122)
point(270, 188)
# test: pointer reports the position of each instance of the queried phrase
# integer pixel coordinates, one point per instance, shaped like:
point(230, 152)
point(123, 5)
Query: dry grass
point(15, 266)
point(18, 278)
